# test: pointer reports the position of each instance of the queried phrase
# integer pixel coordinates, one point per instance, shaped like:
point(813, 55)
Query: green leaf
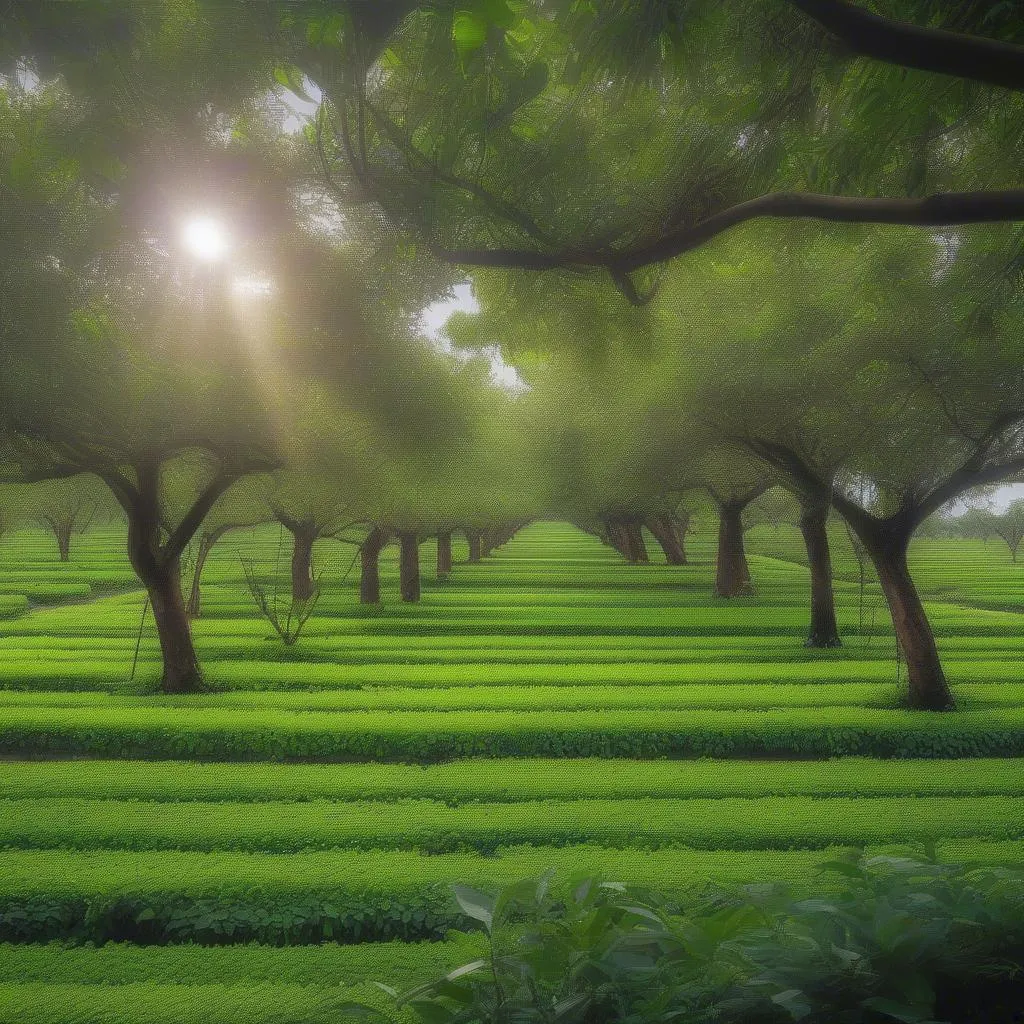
point(843, 867)
point(475, 904)
point(794, 1002)
point(432, 1013)
point(469, 33)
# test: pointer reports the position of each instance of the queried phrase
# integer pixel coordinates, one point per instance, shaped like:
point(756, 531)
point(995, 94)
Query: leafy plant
point(903, 936)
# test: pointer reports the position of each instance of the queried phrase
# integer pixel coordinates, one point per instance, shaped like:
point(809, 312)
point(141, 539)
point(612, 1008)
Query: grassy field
point(266, 852)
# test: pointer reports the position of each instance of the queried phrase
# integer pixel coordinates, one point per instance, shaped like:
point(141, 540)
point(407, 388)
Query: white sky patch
point(1003, 497)
point(433, 320)
point(1000, 498)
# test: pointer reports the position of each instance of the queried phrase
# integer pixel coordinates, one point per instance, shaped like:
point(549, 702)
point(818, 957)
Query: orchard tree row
point(730, 248)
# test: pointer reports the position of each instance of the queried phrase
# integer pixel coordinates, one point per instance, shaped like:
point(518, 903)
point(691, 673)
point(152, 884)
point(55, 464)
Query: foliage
point(903, 936)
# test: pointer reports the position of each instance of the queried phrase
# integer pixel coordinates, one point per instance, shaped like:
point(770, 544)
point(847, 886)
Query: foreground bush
point(905, 939)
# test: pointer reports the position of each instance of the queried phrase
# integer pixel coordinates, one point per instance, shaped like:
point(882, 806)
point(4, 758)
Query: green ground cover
point(551, 706)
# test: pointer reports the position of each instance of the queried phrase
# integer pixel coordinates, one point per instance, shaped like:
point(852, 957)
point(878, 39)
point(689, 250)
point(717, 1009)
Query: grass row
point(210, 733)
point(725, 823)
point(154, 898)
point(497, 780)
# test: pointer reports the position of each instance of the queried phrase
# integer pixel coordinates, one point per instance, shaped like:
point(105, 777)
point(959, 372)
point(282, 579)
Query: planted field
point(268, 851)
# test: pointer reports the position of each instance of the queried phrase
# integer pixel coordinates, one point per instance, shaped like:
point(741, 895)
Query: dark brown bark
point(732, 574)
point(303, 537)
point(824, 628)
point(161, 576)
point(444, 554)
point(408, 565)
point(635, 543)
point(63, 534)
point(976, 58)
point(486, 542)
point(474, 540)
point(887, 548)
point(664, 532)
point(369, 557)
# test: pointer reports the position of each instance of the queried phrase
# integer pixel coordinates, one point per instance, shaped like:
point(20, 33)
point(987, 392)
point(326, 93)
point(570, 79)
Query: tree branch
point(914, 46)
point(938, 210)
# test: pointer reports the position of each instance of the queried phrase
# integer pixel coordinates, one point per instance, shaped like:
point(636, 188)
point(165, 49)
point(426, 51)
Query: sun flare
point(205, 238)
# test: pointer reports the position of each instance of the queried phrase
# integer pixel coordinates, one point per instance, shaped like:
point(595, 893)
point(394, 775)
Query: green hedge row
point(508, 697)
point(225, 898)
point(331, 963)
point(267, 1003)
point(513, 780)
point(209, 733)
point(778, 823)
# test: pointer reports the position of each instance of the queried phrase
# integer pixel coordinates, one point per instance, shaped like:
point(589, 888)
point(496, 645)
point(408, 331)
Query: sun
point(205, 238)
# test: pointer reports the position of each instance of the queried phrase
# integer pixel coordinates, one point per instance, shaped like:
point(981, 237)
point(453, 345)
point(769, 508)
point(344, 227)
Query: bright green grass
point(730, 823)
point(553, 646)
point(120, 963)
point(209, 733)
point(518, 779)
point(149, 1003)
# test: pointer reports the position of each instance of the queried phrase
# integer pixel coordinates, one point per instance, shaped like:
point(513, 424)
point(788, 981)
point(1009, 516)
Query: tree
point(609, 136)
point(600, 106)
point(1009, 525)
point(67, 506)
point(885, 400)
point(241, 506)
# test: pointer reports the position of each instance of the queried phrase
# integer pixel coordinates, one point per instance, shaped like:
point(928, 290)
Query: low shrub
point(903, 939)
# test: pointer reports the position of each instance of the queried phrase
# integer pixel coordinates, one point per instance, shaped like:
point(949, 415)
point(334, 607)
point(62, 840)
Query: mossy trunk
point(474, 541)
point(408, 565)
point(824, 630)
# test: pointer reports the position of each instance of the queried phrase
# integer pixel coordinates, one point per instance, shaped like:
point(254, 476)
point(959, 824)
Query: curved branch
point(914, 46)
point(938, 210)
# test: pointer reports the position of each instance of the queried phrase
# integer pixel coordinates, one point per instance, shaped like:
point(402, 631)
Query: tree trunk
point(62, 531)
point(303, 536)
point(444, 554)
point(408, 565)
point(732, 577)
point(473, 537)
point(161, 577)
point(824, 629)
point(665, 534)
point(206, 542)
point(635, 543)
point(181, 666)
point(487, 542)
point(680, 524)
point(928, 689)
point(369, 556)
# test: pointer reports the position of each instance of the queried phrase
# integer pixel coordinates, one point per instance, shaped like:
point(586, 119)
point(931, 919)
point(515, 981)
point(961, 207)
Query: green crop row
point(506, 780)
point(266, 1003)
point(227, 898)
point(507, 697)
point(729, 823)
point(328, 964)
point(209, 733)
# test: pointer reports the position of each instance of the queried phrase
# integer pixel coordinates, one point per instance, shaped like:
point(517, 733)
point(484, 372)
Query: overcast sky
point(435, 316)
